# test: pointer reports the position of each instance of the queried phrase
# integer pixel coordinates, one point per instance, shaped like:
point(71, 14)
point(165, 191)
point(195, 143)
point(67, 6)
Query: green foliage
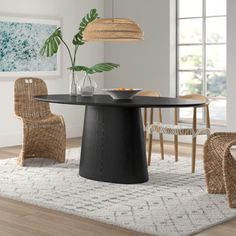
point(98, 68)
point(52, 44)
point(194, 85)
point(91, 16)
point(216, 82)
point(194, 61)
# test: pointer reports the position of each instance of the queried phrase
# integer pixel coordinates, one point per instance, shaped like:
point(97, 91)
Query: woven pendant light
point(113, 29)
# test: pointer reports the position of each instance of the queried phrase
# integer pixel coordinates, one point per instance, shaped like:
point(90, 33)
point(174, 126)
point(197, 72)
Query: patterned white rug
point(173, 202)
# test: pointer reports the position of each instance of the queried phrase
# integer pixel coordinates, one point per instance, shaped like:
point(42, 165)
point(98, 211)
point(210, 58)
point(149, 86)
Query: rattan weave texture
point(44, 133)
point(220, 165)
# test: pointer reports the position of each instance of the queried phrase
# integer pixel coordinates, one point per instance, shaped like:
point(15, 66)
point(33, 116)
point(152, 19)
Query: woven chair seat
point(176, 129)
point(220, 166)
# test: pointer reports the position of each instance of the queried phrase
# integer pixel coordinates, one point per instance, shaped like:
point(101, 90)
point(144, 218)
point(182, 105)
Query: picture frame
point(21, 39)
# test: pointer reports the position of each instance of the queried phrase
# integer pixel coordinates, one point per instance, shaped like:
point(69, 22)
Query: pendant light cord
point(113, 9)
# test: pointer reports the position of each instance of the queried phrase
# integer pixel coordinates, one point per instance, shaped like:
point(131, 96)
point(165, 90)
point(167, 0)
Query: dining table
point(113, 145)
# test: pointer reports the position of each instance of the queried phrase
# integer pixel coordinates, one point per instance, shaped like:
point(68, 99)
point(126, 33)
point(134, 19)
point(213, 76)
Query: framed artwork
point(20, 42)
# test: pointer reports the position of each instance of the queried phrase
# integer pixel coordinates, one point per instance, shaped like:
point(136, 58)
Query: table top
point(106, 100)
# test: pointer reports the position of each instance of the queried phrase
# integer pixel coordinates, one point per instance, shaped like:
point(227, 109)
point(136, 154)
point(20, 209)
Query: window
point(201, 55)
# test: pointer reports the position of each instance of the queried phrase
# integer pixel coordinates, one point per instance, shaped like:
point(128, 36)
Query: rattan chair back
point(25, 106)
point(178, 129)
point(149, 93)
point(198, 97)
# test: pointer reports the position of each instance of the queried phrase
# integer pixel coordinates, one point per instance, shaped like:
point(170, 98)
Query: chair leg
point(20, 159)
point(149, 149)
point(194, 141)
point(161, 135)
point(176, 147)
point(176, 136)
point(194, 154)
point(162, 146)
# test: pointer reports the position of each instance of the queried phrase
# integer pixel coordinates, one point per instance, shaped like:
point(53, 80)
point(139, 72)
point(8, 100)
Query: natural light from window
point(201, 50)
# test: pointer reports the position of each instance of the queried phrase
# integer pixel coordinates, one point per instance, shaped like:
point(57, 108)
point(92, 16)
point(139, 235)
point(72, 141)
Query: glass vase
point(87, 86)
point(73, 83)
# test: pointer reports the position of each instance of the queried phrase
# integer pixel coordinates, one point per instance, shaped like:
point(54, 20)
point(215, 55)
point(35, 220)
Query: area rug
point(172, 202)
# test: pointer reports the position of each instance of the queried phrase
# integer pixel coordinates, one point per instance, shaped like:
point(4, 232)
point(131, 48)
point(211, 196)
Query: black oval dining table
point(113, 145)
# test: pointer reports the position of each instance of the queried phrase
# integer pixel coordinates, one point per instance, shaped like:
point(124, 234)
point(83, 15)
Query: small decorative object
point(122, 93)
point(113, 30)
point(21, 39)
point(87, 86)
point(52, 44)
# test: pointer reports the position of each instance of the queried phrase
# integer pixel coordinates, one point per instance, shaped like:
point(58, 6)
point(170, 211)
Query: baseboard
point(12, 139)
point(74, 131)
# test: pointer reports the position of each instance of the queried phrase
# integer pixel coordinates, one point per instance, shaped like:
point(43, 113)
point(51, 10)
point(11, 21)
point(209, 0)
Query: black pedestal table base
point(113, 146)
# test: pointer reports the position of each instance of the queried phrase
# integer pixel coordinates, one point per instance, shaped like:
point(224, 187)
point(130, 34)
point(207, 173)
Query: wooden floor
point(20, 219)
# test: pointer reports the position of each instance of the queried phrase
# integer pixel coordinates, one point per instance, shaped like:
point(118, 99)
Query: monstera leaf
point(52, 44)
point(98, 68)
point(79, 68)
point(91, 16)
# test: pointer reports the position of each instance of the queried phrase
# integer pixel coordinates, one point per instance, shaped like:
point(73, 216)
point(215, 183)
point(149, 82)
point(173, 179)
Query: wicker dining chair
point(178, 129)
point(220, 166)
point(43, 132)
point(150, 112)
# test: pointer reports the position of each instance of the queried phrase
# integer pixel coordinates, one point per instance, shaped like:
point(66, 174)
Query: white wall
point(148, 64)
point(143, 64)
point(151, 64)
point(231, 65)
point(71, 13)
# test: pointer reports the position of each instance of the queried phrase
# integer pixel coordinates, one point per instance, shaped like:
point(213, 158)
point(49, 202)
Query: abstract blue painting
point(20, 42)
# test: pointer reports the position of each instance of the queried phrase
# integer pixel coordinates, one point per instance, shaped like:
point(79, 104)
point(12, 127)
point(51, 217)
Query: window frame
point(203, 70)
